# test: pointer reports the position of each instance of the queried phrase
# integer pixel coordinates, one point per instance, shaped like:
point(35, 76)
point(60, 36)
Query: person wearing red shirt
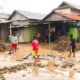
point(35, 47)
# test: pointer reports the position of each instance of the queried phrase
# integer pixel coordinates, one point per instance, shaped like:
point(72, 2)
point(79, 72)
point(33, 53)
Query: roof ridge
point(71, 5)
point(30, 12)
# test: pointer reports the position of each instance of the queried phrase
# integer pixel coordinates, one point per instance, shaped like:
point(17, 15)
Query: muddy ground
point(53, 65)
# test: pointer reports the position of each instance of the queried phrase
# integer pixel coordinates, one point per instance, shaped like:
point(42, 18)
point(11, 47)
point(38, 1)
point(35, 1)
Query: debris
point(61, 43)
point(51, 67)
point(4, 47)
point(71, 73)
point(27, 56)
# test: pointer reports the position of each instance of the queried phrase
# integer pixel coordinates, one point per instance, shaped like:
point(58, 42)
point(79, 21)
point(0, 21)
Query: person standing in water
point(72, 45)
point(35, 47)
point(14, 42)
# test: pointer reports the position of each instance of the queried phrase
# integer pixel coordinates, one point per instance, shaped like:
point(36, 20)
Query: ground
point(53, 65)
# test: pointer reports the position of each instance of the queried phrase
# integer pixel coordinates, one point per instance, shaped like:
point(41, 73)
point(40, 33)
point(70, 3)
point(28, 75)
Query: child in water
point(35, 46)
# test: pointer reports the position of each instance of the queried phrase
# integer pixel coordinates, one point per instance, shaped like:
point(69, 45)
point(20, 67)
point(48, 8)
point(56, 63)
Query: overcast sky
point(39, 6)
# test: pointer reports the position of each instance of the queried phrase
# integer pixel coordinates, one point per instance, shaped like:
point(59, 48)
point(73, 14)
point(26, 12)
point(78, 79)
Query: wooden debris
point(62, 43)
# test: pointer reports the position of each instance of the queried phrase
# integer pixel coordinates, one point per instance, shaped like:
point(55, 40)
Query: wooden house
point(62, 18)
point(25, 24)
point(4, 23)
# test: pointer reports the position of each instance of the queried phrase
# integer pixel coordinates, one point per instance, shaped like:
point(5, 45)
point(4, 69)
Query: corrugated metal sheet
point(63, 5)
point(5, 21)
point(4, 16)
point(32, 15)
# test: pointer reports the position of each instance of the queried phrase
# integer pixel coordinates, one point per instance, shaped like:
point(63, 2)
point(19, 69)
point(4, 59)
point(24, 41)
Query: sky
point(38, 6)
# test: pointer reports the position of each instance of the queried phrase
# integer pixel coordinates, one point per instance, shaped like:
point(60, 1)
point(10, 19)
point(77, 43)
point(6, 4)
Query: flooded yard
point(52, 65)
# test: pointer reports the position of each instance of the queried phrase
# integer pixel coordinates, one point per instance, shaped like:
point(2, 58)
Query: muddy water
point(46, 69)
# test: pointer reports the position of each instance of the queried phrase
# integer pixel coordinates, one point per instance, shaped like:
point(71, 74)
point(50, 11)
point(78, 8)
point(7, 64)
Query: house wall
point(69, 10)
point(77, 12)
point(20, 34)
point(4, 32)
point(19, 19)
point(21, 23)
point(65, 10)
point(55, 17)
point(18, 16)
point(29, 33)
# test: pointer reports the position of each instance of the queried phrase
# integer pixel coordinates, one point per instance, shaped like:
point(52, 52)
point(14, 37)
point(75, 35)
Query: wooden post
point(10, 31)
point(49, 39)
point(49, 33)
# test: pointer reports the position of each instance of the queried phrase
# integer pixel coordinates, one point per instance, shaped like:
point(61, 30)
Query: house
point(4, 23)
point(64, 17)
point(25, 24)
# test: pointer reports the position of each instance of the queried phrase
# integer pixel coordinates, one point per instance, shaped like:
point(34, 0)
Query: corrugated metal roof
point(66, 4)
point(5, 21)
point(32, 15)
point(4, 16)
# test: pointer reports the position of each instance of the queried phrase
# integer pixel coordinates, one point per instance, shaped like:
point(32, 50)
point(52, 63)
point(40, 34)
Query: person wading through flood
point(14, 42)
point(35, 47)
point(72, 45)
